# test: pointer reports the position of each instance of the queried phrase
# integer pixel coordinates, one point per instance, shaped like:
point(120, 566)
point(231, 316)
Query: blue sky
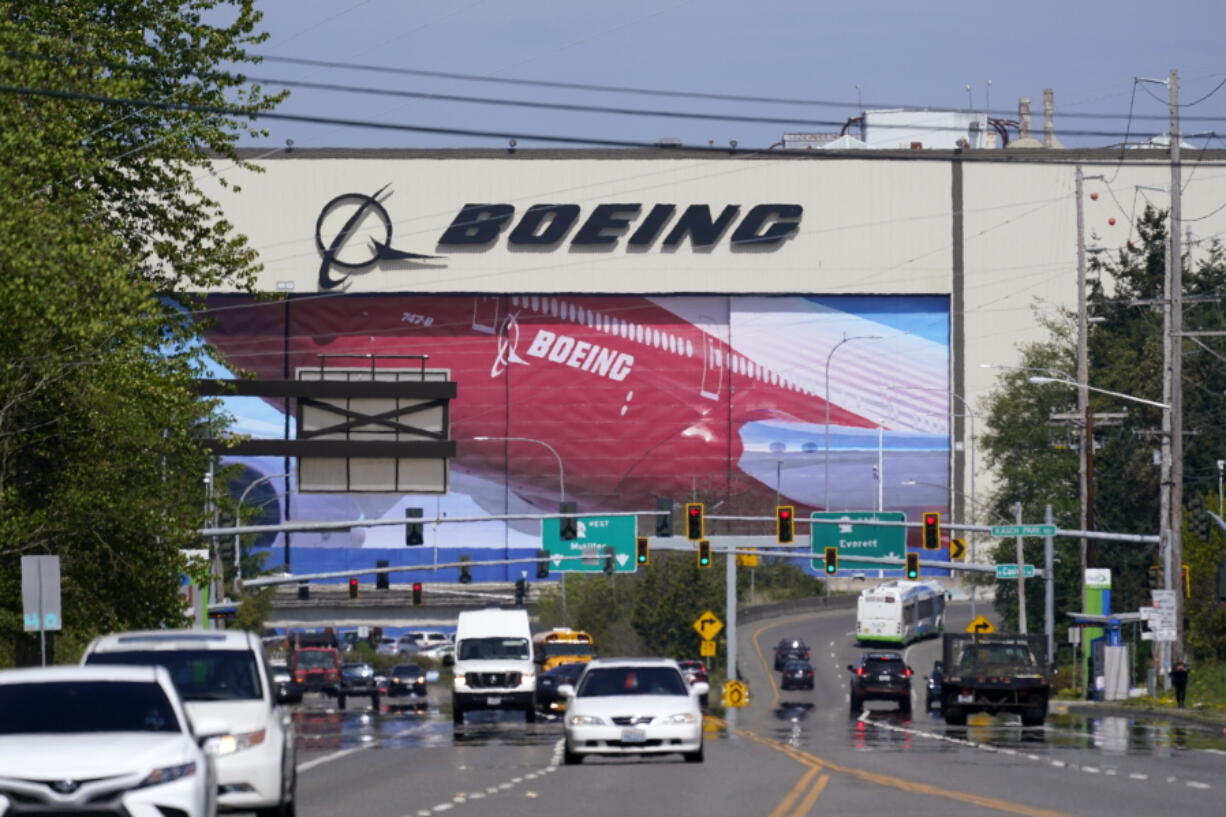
point(898, 53)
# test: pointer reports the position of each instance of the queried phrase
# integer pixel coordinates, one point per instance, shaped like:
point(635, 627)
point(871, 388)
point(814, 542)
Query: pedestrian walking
point(1179, 680)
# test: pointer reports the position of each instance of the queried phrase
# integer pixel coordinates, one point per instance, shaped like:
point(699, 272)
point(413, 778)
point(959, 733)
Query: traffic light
point(785, 524)
point(417, 594)
point(304, 591)
point(642, 556)
point(568, 526)
point(542, 564)
point(466, 572)
point(912, 570)
point(413, 530)
point(704, 553)
point(831, 557)
point(608, 560)
point(382, 580)
point(1153, 578)
point(1186, 576)
point(693, 521)
point(521, 591)
point(932, 531)
point(353, 587)
point(664, 519)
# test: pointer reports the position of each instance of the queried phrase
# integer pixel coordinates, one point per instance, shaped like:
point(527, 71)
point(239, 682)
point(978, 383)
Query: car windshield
point(493, 648)
point(406, 670)
point(792, 666)
point(64, 707)
point(357, 669)
point(632, 681)
point(314, 659)
point(199, 675)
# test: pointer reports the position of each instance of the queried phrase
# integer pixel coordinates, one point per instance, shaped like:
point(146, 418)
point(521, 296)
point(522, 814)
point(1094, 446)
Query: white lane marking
point(476, 795)
point(492, 789)
point(425, 812)
point(441, 807)
point(1091, 769)
point(1196, 784)
point(319, 761)
point(1138, 776)
point(832, 643)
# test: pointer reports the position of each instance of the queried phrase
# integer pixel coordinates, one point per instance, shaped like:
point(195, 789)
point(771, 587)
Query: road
point(788, 754)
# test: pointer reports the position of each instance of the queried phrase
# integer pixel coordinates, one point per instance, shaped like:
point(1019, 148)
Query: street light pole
point(238, 566)
point(845, 339)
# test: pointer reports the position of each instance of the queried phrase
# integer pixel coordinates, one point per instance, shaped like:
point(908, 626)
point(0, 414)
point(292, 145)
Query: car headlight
point(229, 744)
point(167, 774)
point(461, 681)
point(682, 717)
point(585, 720)
point(528, 676)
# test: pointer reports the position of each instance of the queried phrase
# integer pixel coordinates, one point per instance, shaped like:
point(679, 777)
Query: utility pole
point(1174, 301)
point(1021, 575)
point(1083, 375)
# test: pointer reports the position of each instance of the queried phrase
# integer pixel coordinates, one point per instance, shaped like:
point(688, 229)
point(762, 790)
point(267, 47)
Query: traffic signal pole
point(730, 601)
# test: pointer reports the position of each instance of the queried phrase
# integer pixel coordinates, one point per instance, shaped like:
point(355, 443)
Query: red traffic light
point(785, 513)
point(694, 511)
point(416, 587)
point(930, 519)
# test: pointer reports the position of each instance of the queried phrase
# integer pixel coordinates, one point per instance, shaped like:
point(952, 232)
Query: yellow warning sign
point(736, 694)
point(980, 626)
point(747, 559)
point(706, 649)
point(708, 625)
point(957, 550)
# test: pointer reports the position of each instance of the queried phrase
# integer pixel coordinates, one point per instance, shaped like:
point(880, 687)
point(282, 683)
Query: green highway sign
point(586, 552)
point(854, 540)
point(1023, 530)
point(1010, 571)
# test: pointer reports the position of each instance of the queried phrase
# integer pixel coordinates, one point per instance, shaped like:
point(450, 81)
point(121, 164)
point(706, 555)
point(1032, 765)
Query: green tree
point(104, 235)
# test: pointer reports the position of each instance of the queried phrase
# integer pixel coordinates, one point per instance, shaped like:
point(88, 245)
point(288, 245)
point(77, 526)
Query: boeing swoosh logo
point(363, 206)
point(508, 346)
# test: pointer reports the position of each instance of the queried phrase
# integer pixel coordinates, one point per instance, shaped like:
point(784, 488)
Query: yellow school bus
point(562, 645)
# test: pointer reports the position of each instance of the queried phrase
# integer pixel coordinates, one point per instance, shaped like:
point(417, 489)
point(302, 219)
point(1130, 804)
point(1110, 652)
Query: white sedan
point(95, 739)
point(627, 706)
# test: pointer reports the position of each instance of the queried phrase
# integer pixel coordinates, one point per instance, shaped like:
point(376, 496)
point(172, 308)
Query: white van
point(493, 663)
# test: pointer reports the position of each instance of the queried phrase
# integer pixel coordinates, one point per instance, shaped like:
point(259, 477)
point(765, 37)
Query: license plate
point(966, 699)
point(883, 677)
point(633, 736)
point(493, 700)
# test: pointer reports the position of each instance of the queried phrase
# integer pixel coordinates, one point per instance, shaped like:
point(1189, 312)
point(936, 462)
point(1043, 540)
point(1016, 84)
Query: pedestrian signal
point(932, 530)
point(785, 524)
point(693, 521)
point(912, 570)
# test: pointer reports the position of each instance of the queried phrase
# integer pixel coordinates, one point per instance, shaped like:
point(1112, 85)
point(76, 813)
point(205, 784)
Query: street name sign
point(1009, 571)
point(585, 553)
point(1023, 530)
point(854, 540)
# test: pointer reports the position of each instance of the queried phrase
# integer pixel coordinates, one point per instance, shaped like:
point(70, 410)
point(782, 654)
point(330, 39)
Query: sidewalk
point(1123, 709)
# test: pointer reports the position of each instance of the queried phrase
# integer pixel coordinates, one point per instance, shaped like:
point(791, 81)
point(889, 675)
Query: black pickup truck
point(999, 672)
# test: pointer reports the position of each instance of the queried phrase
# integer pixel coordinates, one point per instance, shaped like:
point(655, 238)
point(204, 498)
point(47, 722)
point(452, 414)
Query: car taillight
point(907, 672)
point(860, 671)
point(300, 676)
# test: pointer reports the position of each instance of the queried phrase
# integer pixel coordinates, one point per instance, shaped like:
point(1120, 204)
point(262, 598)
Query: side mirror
point(700, 688)
point(566, 690)
point(431, 676)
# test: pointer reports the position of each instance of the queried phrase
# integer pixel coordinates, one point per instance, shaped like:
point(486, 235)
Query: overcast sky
point(898, 53)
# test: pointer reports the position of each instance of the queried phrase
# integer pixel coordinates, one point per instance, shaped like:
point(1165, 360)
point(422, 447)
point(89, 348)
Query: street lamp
point(845, 339)
point(1121, 395)
point(238, 567)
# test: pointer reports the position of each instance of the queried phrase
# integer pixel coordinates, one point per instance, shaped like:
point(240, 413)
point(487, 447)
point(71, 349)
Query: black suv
point(880, 676)
point(357, 679)
point(790, 649)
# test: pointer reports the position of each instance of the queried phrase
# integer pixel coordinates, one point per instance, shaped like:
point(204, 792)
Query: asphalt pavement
point(788, 754)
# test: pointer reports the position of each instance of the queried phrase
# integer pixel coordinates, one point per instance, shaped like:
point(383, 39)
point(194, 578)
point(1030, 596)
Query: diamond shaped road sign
point(586, 552)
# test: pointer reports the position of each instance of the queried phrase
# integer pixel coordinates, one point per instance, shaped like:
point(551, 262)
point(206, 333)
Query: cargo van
point(493, 663)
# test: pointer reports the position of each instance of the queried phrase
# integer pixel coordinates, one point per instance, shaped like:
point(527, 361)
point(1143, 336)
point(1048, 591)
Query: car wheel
point(904, 706)
point(374, 702)
point(570, 758)
point(288, 805)
point(856, 706)
point(530, 714)
point(1034, 716)
point(340, 700)
point(955, 716)
point(457, 713)
point(694, 757)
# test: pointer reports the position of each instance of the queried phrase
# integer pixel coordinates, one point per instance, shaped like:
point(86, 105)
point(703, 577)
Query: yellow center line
point(806, 805)
point(794, 792)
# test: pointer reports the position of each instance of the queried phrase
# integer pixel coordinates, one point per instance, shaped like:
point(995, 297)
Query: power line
point(988, 157)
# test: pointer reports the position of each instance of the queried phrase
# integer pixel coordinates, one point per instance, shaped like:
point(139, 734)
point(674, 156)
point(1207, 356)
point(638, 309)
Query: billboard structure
point(745, 397)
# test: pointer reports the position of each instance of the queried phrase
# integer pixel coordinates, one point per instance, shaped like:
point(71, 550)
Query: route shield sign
point(708, 625)
point(854, 540)
point(586, 552)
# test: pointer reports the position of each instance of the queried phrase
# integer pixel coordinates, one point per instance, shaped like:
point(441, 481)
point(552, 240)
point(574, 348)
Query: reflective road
point(788, 754)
